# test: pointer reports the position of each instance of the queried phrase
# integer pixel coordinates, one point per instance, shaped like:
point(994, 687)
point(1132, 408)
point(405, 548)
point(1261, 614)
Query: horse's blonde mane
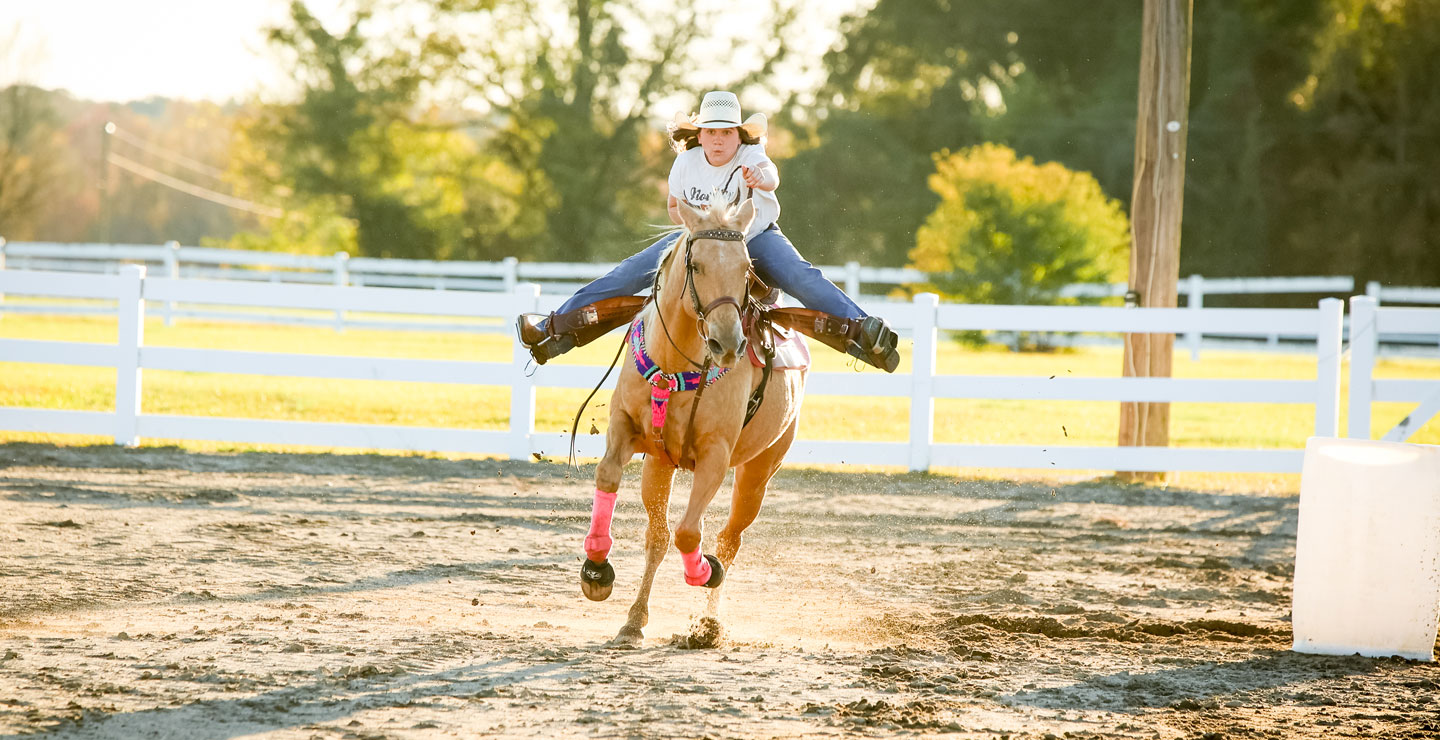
point(711, 218)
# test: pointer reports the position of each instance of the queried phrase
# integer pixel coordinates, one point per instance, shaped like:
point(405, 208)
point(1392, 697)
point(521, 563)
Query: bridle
point(704, 374)
point(702, 310)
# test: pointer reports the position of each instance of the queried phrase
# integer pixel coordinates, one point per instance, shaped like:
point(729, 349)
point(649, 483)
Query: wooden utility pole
point(105, 134)
point(1155, 208)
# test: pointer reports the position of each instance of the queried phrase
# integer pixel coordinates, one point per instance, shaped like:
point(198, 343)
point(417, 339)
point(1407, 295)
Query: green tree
point(913, 77)
point(1058, 82)
point(27, 157)
point(1009, 231)
point(1359, 172)
point(360, 145)
point(558, 155)
point(578, 95)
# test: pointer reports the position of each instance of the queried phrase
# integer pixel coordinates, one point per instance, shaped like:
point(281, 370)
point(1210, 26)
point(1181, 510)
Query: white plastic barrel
point(1367, 551)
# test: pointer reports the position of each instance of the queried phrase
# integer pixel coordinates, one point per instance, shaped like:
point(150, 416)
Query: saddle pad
point(791, 351)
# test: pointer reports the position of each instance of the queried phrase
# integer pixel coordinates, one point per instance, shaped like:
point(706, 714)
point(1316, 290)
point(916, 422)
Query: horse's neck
point(673, 340)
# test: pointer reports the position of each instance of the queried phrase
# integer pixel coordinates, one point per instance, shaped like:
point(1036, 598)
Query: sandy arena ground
point(157, 593)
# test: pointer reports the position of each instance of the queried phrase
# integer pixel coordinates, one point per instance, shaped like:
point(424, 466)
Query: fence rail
point(923, 319)
point(1368, 321)
point(174, 261)
point(234, 264)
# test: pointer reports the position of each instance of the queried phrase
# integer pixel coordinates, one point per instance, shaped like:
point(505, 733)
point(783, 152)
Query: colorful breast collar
point(663, 384)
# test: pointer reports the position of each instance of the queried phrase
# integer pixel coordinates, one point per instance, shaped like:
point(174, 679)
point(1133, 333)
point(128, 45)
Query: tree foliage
point(914, 77)
point(579, 87)
point(1361, 178)
point(1311, 127)
point(359, 146)
point(1009, 231)
point(28, 157)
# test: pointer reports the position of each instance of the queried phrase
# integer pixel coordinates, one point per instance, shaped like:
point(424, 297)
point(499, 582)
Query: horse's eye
point(698, 268)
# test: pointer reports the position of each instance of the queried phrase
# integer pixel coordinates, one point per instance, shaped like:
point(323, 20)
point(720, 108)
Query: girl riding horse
point(718, 155)
point(693, 337)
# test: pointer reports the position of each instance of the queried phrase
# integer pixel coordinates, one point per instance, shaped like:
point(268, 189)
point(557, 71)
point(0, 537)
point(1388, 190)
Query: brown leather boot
point(868, 339)
point(874, 342)
point(550, 335)
point(541, 344)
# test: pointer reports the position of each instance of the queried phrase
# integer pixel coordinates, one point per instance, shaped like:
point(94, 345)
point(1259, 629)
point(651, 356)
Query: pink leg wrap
point(697, 568)
point(597, 543)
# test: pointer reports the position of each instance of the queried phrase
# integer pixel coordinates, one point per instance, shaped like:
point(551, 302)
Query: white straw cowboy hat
point(721, 109)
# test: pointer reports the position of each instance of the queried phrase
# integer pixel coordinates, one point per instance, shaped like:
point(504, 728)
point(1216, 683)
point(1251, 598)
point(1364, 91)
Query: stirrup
point(875, 343)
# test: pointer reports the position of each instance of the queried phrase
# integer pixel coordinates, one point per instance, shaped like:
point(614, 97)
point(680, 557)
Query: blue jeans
point(776, 262)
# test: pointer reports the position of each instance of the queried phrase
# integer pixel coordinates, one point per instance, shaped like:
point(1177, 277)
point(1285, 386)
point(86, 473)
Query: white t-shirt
point(693, 179)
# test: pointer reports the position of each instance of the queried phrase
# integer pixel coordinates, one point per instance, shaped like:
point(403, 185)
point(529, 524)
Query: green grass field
point(827, 417)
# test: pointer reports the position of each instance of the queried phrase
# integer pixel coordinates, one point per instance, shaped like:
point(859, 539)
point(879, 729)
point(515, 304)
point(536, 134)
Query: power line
point(165, 154)
point(228, 201)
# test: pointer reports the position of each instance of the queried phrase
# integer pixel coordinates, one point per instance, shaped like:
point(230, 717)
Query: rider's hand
point(755, 177)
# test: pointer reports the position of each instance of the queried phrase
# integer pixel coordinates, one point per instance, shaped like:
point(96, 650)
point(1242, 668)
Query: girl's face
point(720, 144)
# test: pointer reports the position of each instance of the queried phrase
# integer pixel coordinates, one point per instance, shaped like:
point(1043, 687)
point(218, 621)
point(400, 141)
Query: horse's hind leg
point(655, 483)
point(597, 577)
point(752, 480)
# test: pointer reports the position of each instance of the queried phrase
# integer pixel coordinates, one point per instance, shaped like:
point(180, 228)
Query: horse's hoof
point(596, 580)
point(629, 637)
point(717, 572)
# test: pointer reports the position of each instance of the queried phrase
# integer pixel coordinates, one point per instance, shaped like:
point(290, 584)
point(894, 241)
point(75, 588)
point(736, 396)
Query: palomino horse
point(690, 343)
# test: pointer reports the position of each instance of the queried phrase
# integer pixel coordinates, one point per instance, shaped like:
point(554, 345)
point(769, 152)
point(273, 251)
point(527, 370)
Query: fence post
point(922, 381)
point(852, 280)
point(342, 279)
point(1364, 340)
point(1327, 367)
point(130, 306)
point(522, 387)
point(1195, 301)
point(2, 267)
point(172, 270)
point(1372, 290)
point(511, 275)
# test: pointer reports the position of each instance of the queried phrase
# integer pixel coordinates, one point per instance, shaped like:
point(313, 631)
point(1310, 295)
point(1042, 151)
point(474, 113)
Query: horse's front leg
point(711, 462)
point(655, 482)
point(597, 577)
point(752, 479)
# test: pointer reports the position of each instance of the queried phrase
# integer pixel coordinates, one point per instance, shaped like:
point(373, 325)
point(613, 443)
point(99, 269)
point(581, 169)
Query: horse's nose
point(723, 356)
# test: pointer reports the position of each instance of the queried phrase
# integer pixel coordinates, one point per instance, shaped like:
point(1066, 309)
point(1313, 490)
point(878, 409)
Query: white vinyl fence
point(175, 261)
point(1368, 321)
point(923, 319)
point(1408, 295)
point(559, 277)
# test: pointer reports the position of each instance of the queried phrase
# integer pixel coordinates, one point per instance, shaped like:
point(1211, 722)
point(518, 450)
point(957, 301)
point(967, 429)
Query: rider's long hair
point(688, 137)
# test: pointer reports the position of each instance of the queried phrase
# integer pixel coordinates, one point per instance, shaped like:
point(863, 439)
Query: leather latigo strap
point(828, 329)
point(591, 322)
point(761, 292)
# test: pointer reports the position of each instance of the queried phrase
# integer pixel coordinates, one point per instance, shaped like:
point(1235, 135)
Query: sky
point(105, 50)
point(196, 49)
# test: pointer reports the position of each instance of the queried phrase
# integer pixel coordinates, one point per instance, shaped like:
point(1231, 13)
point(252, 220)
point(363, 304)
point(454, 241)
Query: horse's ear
point(745, 215)
point(690, 216)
